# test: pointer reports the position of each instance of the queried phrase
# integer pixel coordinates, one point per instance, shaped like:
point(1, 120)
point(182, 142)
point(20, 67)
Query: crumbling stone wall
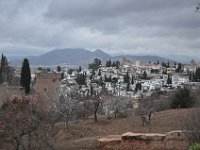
point(7, 92)
point(175, 140)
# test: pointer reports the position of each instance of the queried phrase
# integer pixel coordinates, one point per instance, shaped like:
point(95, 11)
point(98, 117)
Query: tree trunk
point(17, 142)
point(95, 116)
point(96, 106)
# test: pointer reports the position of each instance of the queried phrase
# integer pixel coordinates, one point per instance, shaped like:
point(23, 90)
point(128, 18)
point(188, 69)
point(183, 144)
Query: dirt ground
point(84, 134)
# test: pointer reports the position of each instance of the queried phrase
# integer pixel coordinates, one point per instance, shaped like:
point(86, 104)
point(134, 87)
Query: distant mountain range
point(80, 57)
point(73, 57)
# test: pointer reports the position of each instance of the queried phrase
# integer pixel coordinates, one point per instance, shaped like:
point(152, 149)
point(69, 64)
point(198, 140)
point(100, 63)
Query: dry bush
point(192, 125)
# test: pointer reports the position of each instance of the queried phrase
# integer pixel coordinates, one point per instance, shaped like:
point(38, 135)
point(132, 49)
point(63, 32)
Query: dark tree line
point(96, 64)
point(116, 64)
point(138, 86)
point(195, 76)
point(183, 99)
point(167, 65)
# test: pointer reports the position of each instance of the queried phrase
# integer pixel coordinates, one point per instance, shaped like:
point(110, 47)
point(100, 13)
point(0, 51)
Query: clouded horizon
point(33, 27)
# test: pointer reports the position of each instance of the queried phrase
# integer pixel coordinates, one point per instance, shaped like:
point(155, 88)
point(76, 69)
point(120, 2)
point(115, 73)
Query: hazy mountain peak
point(80, 57)
point(100, 53)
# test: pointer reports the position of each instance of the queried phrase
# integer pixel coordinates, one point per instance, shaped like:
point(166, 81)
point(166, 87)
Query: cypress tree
point(190, 76)
point(25, 79)
point(79, 69)
point(114, 64)
point(117, 64)
point(144, 75)
point(99, 73)
point(3, 69)
point(169, 80)
point(126, 78)
point(132, 80)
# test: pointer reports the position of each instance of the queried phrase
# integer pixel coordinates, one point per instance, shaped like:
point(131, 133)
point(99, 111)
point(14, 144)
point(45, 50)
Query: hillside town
point(110, 90)
point(131, 80)
point(99, 75)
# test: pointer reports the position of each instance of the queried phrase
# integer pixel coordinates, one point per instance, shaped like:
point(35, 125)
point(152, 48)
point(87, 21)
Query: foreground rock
point(175, 140)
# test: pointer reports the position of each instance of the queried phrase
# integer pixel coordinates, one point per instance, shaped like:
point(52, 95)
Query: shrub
point(123, 114)
point(192, 123)
point(182, 99)
point(195, 147)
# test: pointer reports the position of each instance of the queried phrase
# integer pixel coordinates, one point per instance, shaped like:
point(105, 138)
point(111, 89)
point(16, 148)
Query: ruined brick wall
point(3, 93)
point(7, 92)
point(175, 140)
point(48, 87)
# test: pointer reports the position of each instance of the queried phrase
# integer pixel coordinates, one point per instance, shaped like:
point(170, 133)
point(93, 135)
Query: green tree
point(174, 64)
point(25, 79)
point(3, 69)
point(117, 64)
point(164, 64)
point(59, 69)
point(99, 73)
point(108, 63)
point(182, 99)
point(96, 64)
point(168, 64)
point(79, 69)
point(132, 80)
point(179, 68)
point(70, 71)
point(97, 61)
point(190, 76)
point(81, 79)
point(128, 87)
point(197, 75)
point(144, 76)
point(138, 86)
point(126, 78)
point(93, 72)
point(114, 64)
point(114, 80)
point(169, 80)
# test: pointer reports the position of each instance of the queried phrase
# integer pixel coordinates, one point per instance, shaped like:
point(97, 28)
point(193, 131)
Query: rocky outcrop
point(175, 140)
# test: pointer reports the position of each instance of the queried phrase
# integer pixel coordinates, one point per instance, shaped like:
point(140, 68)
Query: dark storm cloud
point(135, 26)
point(125, 13)
point(109, 8)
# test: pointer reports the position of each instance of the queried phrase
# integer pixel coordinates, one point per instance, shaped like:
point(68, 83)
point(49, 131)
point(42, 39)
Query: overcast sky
point(157, 27)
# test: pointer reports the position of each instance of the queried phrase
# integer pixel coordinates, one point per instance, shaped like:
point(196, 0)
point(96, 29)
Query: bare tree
point(97, 100)
point(70, 104)
point(68, 107)
point(146, 119)
point(192, 125)
point(118, 106)
point(147, 106)
point(19, 119)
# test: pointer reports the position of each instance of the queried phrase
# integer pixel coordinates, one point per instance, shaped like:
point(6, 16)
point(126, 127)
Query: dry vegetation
point(84, 134)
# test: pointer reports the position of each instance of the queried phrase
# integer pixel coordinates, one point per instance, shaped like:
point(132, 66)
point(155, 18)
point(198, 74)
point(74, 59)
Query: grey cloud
point(111, 16)
point(135, 26)
point(108, 8)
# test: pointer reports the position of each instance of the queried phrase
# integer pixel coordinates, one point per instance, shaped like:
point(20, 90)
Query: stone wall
point(47, 88)
point(3, 93)
point(175, 140)
point(7, 92)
